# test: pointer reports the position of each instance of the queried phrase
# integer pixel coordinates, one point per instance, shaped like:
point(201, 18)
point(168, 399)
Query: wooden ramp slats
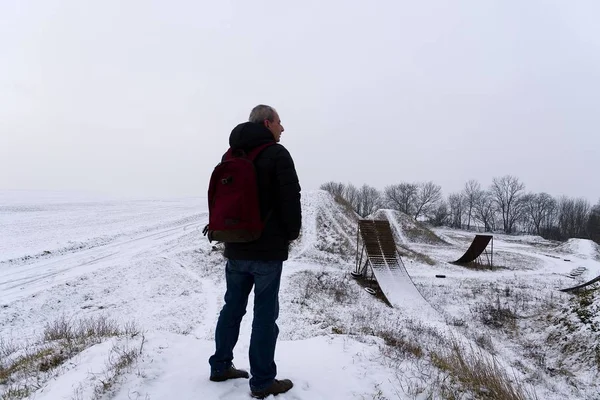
point(380, 246)
point(379, 243)
point(475, 250)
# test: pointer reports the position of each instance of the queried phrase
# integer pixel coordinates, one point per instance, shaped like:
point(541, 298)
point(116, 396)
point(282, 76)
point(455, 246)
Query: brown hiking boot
point(276, 388)
point(231, 373)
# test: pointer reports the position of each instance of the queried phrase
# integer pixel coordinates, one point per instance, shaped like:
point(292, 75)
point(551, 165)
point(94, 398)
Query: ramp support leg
point(492, 256)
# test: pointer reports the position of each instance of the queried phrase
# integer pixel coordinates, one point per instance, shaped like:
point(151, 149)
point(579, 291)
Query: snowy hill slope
point(583, 248)
point(406, 229)
point(328, 230)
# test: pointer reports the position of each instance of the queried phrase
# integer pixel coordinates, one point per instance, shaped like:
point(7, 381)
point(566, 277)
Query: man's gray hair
point(262, 112)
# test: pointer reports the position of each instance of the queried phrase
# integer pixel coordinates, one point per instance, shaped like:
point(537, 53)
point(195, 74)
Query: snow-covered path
point(19, 281)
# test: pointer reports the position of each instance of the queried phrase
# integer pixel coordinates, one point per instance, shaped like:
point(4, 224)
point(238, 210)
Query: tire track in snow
point(20, 282)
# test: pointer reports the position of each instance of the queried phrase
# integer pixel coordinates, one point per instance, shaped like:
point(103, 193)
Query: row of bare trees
point(364, 200)
point(506, 206)
point(414, 199)
point(503, 206)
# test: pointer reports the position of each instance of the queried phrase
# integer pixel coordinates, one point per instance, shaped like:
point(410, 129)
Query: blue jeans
point(241, 275)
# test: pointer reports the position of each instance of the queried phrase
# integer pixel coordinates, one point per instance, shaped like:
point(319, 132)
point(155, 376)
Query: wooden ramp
point(477, 248)
point(379, 244)
point(387, 268)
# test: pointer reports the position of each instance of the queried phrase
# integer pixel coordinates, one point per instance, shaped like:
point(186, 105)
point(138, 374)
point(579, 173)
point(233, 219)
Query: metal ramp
point(582, 286)
point(476, 250)
point(383, 263)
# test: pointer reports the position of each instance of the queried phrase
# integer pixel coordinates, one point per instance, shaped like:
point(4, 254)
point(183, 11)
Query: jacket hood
point(249, 135)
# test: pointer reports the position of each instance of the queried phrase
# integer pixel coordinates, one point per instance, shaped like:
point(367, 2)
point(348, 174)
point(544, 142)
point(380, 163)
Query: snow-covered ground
point(146, 261)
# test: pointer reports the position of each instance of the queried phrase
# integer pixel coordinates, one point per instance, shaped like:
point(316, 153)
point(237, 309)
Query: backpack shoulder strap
point(227, 155)
point(251, 155)
point(257, 150)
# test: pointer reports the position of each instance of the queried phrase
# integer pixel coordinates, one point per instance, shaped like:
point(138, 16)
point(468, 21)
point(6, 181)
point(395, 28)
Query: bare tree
point(428, 195)
point(471, 193)
point(440, 215)
point(549, 227)
point(335, 188)
point(401, 197)
point(582, 216)
point(593, 226)
point(363, 201)
point(485, 212)
point(351, 195)
point(538, 208)
point(573, 217)
point(456, 209)
point(369, 200)
point(507, 192)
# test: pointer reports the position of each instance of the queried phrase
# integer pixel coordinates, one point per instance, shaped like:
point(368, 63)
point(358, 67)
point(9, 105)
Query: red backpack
point(233, 207)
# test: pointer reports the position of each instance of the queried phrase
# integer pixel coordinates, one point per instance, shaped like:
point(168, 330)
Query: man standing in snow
point(259, 263)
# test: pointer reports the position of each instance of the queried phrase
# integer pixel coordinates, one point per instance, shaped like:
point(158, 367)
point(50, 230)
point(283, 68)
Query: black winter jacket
point(279, 196)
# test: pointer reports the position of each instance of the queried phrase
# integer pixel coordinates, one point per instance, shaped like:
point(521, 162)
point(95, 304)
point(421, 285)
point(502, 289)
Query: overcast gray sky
point(138, 97)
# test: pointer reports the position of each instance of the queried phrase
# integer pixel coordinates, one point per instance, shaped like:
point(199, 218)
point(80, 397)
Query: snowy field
point(71, 258)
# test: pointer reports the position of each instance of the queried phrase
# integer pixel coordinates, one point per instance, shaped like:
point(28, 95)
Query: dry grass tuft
point(400, 344)
point(495, 315)
point(82, 330)
point(24, 369)
point(324, 285)
point(120, 360)
point(479, 374)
